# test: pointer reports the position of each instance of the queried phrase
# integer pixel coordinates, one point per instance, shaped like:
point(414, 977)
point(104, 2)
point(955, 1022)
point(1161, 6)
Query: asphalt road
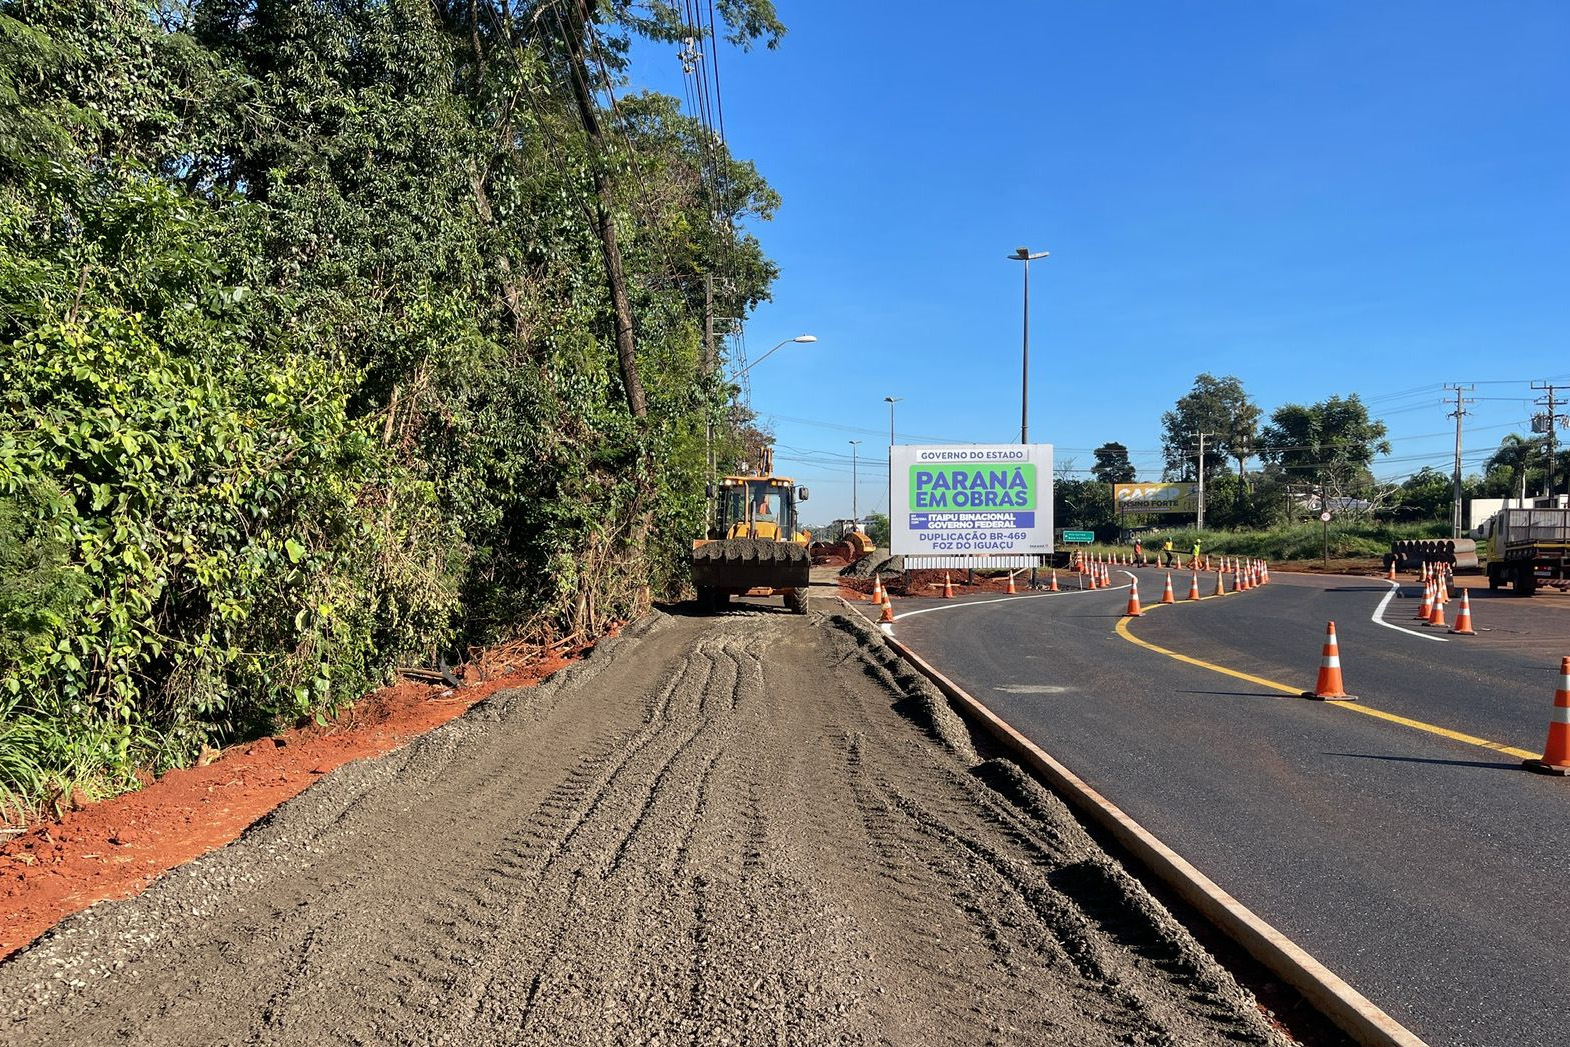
point(1427, 871)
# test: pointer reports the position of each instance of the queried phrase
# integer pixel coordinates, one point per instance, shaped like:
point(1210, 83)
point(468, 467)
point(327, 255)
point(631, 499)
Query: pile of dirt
point(744, 829)
point(928, 582)
point(880, 563)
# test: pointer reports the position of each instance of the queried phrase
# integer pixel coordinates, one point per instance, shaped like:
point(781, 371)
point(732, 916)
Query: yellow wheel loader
point(753, 546)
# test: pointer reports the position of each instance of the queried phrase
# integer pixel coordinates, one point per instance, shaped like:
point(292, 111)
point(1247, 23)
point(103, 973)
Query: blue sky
point(1319, 198)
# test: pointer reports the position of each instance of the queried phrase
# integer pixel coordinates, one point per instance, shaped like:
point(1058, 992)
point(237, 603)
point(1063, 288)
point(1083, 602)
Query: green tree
point(1329, 446)
point(1219, 408)
point(878, 529)
point(1083, 505)
point(1427, 494)
point(1112, 464)
point(317, 359)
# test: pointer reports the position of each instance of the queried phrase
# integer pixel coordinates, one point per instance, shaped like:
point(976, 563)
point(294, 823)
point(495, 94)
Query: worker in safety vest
point(1139, 552)
point(1196, 554)
point(1166, 551)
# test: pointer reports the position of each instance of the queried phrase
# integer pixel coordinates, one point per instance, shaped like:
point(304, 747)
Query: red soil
point(114, 849)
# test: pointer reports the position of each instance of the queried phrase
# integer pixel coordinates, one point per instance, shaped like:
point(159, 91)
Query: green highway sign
point(1079, 536)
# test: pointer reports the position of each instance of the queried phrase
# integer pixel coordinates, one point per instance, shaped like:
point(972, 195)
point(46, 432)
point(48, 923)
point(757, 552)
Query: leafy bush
point(238, 556)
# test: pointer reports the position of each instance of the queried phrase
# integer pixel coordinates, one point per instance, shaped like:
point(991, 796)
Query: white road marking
point(1379, 616)
point(1005, 599)
point(1033, 688)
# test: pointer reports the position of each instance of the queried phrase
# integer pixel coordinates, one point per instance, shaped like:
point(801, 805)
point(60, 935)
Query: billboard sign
point(980, 500)
point(1156, 498)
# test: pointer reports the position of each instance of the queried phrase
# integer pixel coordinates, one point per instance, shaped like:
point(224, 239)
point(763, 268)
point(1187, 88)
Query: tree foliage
point(314, 363)
point(1219, 408)
point(1112, 464)
point(1329, 446)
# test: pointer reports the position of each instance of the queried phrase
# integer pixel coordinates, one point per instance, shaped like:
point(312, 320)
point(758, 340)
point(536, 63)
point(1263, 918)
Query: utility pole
point(854, 515)
point(708, 361)
point(1199, 515)
point(1553, 420)
point(1457, 414)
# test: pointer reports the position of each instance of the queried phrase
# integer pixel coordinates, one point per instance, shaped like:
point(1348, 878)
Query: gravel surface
point(749, 829)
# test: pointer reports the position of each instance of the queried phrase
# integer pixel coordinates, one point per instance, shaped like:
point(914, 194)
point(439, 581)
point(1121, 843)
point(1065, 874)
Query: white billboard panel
point(977, 500)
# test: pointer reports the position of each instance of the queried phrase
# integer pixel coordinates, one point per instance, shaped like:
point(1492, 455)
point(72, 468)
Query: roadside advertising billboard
point(1156, 498)
point(976, 500)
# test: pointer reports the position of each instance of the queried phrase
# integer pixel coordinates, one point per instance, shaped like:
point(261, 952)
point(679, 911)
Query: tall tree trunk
point(605, 223)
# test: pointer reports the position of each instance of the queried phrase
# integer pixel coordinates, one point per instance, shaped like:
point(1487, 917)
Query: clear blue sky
point(1319, 198)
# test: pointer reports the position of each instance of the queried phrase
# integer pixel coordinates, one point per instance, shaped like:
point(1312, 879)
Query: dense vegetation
point(340, 334)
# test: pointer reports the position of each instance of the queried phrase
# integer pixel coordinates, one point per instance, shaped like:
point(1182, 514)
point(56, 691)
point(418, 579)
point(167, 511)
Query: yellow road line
point(1357, 707)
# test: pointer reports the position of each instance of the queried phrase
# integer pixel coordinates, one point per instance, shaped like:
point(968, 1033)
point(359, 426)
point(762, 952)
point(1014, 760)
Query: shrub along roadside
point(1303, 541)
point(226, 531)
point(311, 367)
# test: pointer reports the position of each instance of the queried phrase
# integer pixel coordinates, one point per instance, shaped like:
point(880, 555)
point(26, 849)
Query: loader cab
point(756, 507)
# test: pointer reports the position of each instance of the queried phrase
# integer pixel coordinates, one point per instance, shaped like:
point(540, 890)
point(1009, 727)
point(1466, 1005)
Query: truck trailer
point(1527, 546)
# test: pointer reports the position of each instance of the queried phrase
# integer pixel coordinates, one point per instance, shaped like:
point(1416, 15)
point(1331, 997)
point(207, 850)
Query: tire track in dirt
point(752, 828)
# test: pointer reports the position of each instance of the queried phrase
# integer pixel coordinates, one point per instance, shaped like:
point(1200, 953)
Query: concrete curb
point(1351, 1011)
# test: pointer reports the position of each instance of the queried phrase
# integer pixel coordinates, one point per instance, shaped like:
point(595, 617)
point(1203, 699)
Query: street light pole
point(1024, 254)
point(765, 356)
point(854, 515)
point(891, 401)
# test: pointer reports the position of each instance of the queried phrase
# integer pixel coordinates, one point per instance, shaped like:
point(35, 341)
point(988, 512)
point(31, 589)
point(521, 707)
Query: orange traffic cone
point(1193, 587)
point(887, 618)
point(948, 587)
point(1221, 582)
point(1133, 610)
point(1166, 594)
point(1426, 609)
point(1012, 590)
point(1556, 754)
point(1463, 626)
point(1390, 574)
point(877, 590)
point(1239, 581)
point(1444, 590)
point(1328, 687)
point(1437, 615)
point(1054, 586)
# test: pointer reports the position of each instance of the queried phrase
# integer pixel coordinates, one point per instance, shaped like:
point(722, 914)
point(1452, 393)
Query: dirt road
point(750, 829)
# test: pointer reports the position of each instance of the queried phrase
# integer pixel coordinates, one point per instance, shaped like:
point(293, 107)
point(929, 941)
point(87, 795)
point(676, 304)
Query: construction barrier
point(1133, 610)
point(1463, 626)
point(1556, 754)
point(1329, 686)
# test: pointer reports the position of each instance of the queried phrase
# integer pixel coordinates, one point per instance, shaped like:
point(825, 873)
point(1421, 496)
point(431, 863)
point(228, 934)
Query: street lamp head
point(892, 399)
point(765, 356)
point(1023, 254)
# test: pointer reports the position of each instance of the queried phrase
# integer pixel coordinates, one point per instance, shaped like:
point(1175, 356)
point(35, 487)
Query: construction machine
point(753, 546)
point(842, 539)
